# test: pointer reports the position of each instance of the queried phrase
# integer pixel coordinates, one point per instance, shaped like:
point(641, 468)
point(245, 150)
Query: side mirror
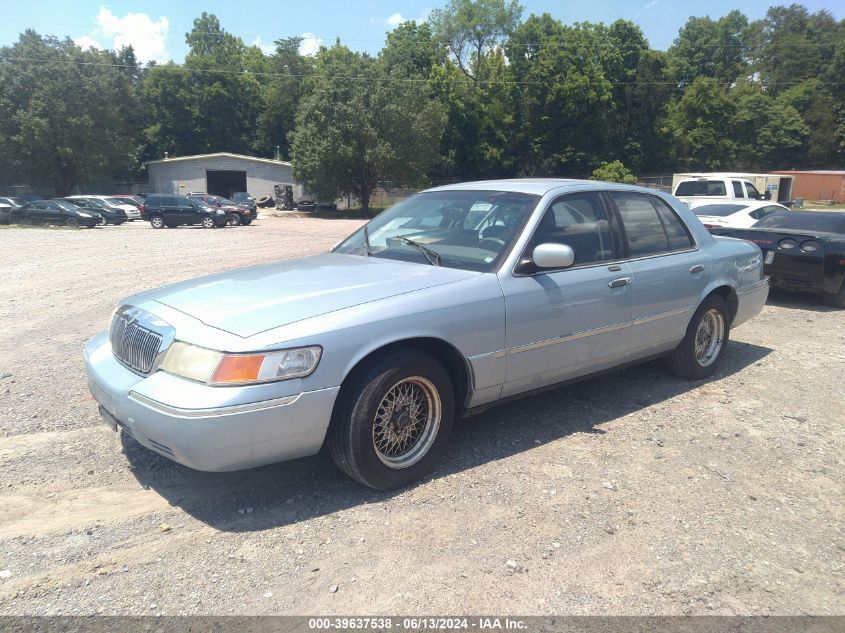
point(551, 255)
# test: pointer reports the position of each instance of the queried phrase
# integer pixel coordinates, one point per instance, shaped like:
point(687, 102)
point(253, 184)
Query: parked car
point(421, 315)
point(695, 192)
point(132, 212)
point(5, 212)
point(107, 214)
point(243, 198)
point(135, 201)
point(238, 214)
point(802, 250)
point(171, 211)
point(56, 212)
point(738, 215)
point(308, 205)
point(12, 201)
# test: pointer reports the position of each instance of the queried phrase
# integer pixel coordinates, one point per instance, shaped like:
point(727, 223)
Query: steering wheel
point(493, 244)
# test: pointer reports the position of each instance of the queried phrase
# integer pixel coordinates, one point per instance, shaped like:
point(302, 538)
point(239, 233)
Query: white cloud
point(147, 37)
point(267, 49)
point(651, 4)
point(310, 44)
point(86, 41)
point(395, 20)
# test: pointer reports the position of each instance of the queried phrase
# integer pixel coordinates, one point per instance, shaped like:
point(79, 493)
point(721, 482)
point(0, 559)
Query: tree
point(613, 172)
point(213, 106)
point(359, 125)
point(281, 96)
point(471, 28)
point(564, 101)
point(67, 116)
point(710, 48)
point(702, 126)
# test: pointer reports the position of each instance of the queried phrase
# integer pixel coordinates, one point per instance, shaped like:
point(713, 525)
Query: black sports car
point(802, 250)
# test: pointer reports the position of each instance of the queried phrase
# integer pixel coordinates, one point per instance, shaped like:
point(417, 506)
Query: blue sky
point(157, 28)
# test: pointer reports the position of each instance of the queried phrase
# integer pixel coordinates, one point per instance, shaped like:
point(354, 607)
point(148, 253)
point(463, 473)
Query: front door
point(570, 322)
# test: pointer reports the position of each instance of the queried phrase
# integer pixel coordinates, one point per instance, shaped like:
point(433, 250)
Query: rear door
point(186, 211)
point(669, 272)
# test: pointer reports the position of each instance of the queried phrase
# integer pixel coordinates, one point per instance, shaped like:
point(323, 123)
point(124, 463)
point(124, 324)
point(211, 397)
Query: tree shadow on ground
point(289, 492)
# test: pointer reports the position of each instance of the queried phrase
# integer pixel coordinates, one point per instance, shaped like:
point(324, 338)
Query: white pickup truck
point(694, 192)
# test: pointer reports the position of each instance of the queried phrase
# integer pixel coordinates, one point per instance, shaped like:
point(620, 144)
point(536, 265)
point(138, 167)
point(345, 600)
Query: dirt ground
point(636, 493)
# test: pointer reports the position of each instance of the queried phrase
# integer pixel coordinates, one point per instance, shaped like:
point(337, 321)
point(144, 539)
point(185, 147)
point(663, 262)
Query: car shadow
point(289, 492)
point(794, 300)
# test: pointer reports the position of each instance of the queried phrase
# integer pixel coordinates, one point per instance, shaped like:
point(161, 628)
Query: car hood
point(252, 300)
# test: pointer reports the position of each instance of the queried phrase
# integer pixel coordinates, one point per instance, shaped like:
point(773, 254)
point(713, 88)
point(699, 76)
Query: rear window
point(718, 210)
point(804, 220)
point(701, 188)
point(161, 201)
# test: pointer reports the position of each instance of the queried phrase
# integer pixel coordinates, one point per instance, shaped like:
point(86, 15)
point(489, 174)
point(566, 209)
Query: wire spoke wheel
point(709, 337)
point(406, 422)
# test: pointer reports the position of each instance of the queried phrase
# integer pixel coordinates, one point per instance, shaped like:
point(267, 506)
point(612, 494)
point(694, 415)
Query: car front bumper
point(207, 428)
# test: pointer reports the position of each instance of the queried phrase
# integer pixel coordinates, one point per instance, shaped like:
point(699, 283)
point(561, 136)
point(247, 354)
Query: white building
point(220, 174)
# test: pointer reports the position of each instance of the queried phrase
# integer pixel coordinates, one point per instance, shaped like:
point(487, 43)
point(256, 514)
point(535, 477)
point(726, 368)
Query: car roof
point(742, 203)
point(539, 186)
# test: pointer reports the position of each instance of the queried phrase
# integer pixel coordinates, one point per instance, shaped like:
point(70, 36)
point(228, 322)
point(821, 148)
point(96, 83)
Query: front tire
point(208, 222)
point(233, 219)
point(702, 350)
point(157, 222)
point(246, 222)
point(72, 223)
point(392, 420)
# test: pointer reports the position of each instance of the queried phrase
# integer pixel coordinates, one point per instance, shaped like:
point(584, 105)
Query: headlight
point(217, 368)
point(219, 211)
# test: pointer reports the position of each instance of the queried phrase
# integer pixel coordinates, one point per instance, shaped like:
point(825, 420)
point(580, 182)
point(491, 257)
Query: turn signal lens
point(238, 369)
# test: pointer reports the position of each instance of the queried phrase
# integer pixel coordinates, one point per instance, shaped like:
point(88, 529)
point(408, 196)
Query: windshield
point(701, 188)
point(804, 220)
point(719, 210)
point(67, 206)
point(114, 201)
point(472, 230)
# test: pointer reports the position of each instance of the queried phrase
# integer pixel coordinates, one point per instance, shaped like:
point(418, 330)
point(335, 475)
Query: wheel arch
point(453, 361)
point(728, 293)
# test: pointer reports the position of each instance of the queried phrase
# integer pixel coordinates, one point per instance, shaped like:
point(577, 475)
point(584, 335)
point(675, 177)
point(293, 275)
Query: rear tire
point(392, 420)
point(157, 222)
point(837, 300)
point(703, 348)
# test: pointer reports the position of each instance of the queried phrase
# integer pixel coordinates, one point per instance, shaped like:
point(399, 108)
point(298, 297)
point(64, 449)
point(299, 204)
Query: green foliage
point(351, 134)
point(471, 28)
point(613, 172)
point(474, 92)
point(66, 115)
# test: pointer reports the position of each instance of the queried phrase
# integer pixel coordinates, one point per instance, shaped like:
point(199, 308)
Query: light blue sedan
point(457, 298)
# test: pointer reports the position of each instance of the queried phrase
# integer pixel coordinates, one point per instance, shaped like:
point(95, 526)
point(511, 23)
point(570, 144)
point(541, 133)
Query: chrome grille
point(133, 345)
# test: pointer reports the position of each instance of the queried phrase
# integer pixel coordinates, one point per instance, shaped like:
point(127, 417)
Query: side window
point(752, 191)
point(758, 214)
point(642, 224)
point(580, 222)
point(184, 203)
point(738, 192)
point(679, 237)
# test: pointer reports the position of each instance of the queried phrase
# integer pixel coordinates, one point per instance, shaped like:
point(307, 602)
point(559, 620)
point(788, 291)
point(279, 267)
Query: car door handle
point(696, 269)
point(618, 283)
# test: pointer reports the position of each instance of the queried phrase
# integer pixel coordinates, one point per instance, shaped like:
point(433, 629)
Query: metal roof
point(266, 161)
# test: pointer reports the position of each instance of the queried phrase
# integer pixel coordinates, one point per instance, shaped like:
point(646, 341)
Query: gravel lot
point(634, 493)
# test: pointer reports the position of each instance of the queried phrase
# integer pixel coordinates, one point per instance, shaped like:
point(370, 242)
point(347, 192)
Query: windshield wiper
point(367, 246)
point(433, 257)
